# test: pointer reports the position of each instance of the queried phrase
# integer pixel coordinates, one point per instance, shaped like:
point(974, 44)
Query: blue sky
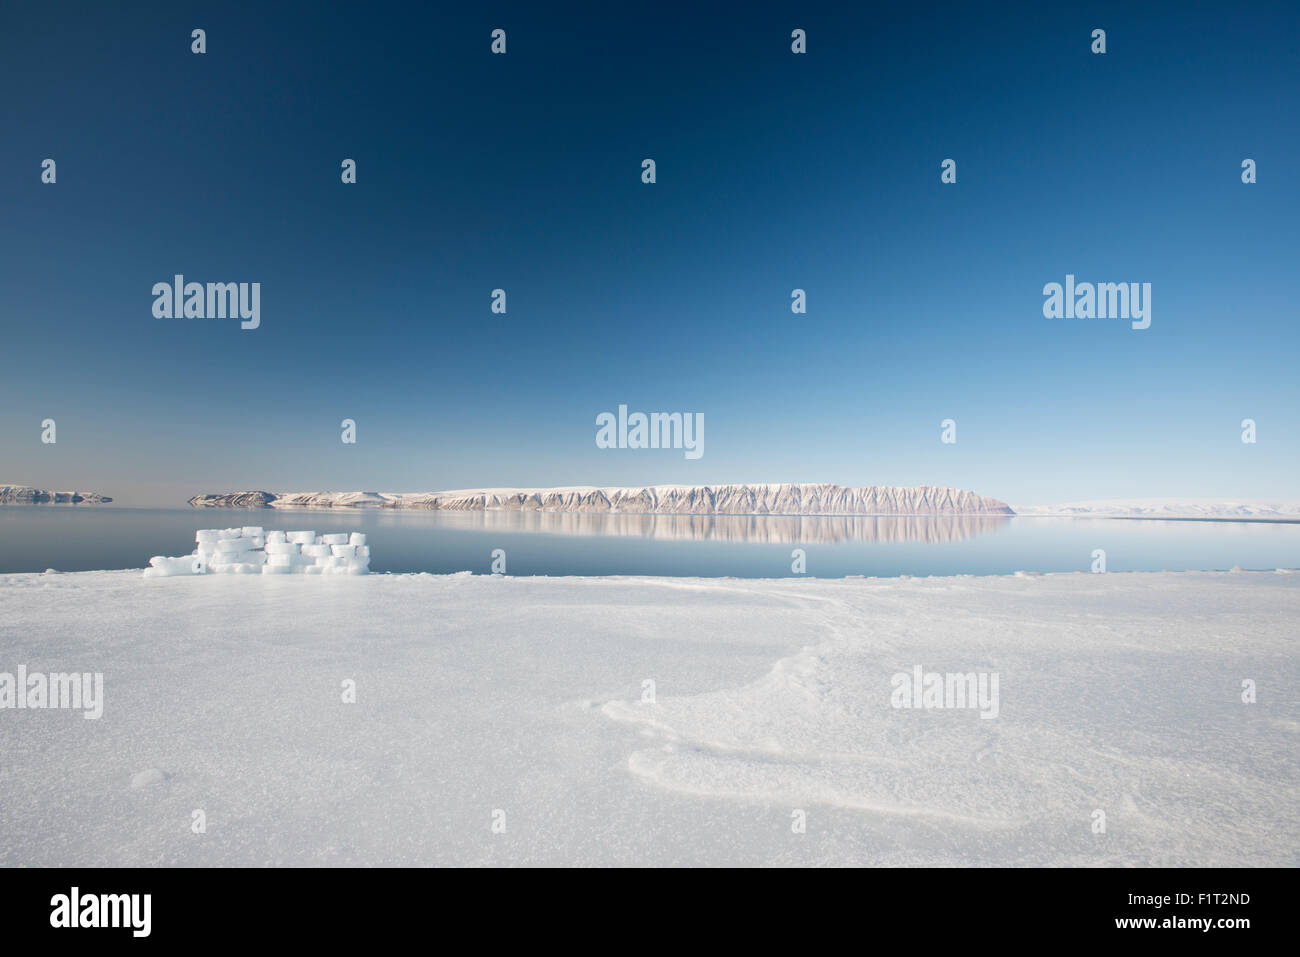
point(775, 171)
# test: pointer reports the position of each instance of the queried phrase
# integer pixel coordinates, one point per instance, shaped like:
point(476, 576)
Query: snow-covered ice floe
point(656, 721)
point(251, 551)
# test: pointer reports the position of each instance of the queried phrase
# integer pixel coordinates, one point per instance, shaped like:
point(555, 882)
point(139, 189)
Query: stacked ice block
point(307, 553)
point(230, 551)
point(250, 551)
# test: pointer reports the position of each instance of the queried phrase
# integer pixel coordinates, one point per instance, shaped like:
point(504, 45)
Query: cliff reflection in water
point(758, 529)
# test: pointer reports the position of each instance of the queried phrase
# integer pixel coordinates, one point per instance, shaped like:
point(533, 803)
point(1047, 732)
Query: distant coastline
point(760, 499)
point(1172, 509)
point(26, 495)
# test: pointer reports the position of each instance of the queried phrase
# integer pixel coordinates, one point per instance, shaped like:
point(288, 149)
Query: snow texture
point(1118, 692)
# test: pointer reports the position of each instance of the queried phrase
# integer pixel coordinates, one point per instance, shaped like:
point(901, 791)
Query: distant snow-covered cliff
point(26, 495)
point(782, 499)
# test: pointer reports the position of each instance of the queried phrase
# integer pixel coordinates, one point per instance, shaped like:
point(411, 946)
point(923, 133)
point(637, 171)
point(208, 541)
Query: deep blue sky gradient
point(775, 171)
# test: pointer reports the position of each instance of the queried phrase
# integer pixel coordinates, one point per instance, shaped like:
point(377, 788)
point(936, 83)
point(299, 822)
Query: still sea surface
point(90, 537)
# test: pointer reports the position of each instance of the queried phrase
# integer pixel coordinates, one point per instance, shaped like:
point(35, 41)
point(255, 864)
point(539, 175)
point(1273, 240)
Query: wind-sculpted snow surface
point(783, 499)
point(1118, 693)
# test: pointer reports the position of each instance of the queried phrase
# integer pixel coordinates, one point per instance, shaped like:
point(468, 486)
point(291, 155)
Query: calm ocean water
point(83, 538)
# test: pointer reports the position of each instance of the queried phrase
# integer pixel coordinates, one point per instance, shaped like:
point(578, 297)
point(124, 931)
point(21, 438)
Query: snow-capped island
point(764, 499)
point(26, 495)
